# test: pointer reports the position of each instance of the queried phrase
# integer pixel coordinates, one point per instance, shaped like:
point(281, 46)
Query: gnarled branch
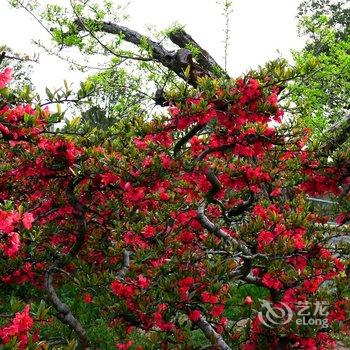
point(179, 144)
point(204, 59)
point(175, 61)
point(64, 313)
point(214, 229)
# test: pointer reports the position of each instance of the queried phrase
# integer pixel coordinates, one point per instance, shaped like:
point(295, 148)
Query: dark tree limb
point(241, 208)
point(218, 232)
point(215, 188)
point(179, 144)
point(204, 59)
point(175, 61)
point(221, 148)
point(2, 56)
point(215, 185)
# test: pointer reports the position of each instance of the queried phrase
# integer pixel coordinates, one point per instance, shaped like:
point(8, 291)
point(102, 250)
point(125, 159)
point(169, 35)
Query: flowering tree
point(169, 237)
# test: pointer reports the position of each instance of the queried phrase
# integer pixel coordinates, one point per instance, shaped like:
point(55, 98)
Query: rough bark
point(64, 313)
point(209, 332)
point(125, 266)
point(204, 59)
point(175, 61)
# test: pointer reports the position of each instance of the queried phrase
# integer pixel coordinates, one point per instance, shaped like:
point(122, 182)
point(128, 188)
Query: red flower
point(19, 327)
point(27, 220)
point(264, 238)
point(148, 231)
point(87, 298)
point(158, 318)
point(342, 218)
point(184, 286)
point(312, 285)
point(5, 77)
point(217, 310)
point(339, 311)
point(194, 315)
point(276, 192)
point(186, 237)
point(187, 281)
point(109, 178)
point(12, 246)
point(308, 343)
point(271, 282)
point(143, 281)
point(209, 298)
point(124, 346)
point(248, 300)
point(122, 290)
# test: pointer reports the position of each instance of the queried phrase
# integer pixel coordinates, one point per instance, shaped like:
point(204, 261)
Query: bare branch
point(126, 263)
point(175, 61)
point(64, 313)
point(209, 332)
point(183, 40)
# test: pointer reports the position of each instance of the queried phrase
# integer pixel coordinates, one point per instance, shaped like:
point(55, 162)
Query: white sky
point(259, 28)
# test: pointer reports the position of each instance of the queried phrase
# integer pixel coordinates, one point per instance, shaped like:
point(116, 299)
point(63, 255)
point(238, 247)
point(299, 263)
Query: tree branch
point(209, 332)
point(64, 313)
point(126, 263)
point(207, 62)
point(175, 61)
point(187, 137)
point(214, 229)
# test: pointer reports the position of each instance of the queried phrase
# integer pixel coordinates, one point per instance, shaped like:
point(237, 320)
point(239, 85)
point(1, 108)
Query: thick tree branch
point(175, 61)
point(64, 313)
point(209, 332)
point(207, 62)
point(214, 229)
point(125, 266)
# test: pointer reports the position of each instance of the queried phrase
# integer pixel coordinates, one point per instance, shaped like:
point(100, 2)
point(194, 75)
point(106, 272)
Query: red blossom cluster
point(19, 327)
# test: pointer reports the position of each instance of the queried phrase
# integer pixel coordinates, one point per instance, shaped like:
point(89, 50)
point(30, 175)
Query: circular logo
point(274, 315)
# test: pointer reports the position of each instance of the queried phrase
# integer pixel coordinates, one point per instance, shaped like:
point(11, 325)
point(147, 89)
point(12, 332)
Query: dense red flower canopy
point(206, 199)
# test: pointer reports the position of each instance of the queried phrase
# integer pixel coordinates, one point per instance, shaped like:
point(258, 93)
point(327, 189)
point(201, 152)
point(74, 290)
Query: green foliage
point(313, 14)
point(321, 94)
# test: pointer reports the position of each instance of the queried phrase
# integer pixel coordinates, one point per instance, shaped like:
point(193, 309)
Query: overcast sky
point(260, 30)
